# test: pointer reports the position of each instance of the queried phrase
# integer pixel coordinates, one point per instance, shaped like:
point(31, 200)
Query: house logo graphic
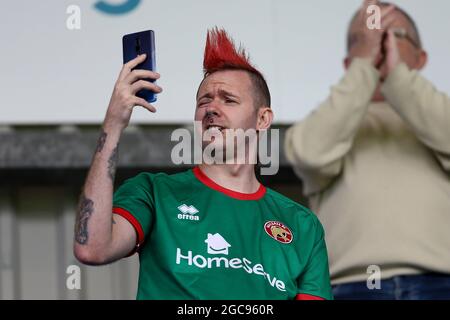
point(217, 244)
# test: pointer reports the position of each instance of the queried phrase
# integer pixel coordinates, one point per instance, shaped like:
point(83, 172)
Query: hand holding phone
point(135, 44)
point(135, 86)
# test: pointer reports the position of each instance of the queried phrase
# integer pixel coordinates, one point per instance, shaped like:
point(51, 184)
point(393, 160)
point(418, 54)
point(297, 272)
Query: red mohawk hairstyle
point(221, 54)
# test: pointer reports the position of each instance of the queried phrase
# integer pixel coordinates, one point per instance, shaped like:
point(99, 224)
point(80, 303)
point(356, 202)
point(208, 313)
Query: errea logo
point(187, 212)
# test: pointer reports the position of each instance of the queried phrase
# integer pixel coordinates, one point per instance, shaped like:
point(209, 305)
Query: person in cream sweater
point(374, 159)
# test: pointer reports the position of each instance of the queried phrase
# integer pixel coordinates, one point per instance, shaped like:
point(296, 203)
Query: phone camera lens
point(138, 46)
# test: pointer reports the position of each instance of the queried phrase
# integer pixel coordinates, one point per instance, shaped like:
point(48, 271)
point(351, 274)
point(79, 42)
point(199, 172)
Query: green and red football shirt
point(198, 240)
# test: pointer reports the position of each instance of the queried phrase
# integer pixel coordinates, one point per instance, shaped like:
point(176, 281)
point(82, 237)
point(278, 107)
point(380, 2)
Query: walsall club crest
point(278, 231)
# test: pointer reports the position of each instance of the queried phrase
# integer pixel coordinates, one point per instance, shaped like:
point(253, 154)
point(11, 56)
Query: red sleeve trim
point(304, 296)
point(134, 222)
point(231, 193)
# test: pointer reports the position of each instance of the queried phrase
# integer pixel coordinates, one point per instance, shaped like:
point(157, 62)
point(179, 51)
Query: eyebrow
point(222, 92)
point(227, 93)
point(206, 95)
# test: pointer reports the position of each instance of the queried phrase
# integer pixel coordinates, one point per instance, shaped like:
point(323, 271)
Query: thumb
point(391, 42)
point(392, 53)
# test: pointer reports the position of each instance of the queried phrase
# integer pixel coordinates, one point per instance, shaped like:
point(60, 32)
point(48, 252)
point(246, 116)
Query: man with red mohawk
point(213, 232)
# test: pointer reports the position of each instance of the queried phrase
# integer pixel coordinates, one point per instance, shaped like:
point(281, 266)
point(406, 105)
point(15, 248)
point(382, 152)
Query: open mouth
point(215, 127)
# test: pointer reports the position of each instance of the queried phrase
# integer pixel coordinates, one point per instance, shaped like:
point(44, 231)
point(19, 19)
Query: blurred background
point(60, 60)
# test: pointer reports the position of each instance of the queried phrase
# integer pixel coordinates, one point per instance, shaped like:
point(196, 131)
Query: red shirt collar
point(231, 193)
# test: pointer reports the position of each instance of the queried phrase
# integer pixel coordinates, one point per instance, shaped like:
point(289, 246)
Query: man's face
point(225, 101)
point(409, 52)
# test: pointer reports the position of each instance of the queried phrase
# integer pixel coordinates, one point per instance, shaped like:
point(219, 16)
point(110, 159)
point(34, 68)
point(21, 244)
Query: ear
point(422, 59)
point(347, 62)
point(265, 118)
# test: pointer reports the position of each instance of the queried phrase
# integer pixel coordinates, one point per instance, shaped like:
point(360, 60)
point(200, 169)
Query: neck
point(236, 177)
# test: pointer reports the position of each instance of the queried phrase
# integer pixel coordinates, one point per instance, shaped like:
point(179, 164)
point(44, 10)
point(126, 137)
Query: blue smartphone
point(138, 43)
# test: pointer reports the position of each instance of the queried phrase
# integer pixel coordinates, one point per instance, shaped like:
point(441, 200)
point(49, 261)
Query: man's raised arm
point(100, 237)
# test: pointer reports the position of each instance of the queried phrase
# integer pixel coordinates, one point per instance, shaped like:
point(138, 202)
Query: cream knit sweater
point(378, 174)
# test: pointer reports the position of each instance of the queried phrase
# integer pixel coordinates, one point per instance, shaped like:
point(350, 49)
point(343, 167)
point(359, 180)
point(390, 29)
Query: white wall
point(49, 74)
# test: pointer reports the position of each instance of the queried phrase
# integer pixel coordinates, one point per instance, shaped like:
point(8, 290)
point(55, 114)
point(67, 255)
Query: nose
point(213, 104)
point(212, 109)
point(209, 116)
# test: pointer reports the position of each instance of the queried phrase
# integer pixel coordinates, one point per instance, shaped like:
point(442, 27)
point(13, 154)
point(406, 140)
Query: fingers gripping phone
point(138, 43)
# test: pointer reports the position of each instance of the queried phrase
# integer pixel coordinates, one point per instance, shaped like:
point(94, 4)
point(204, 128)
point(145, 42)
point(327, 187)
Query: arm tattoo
point(112, 161)
point(85, 210)
point(101, 141)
